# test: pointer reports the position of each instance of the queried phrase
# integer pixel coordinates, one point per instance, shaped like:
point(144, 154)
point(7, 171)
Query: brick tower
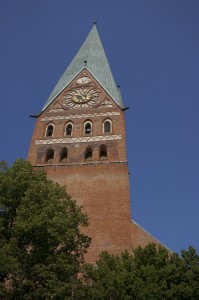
point(79, 139)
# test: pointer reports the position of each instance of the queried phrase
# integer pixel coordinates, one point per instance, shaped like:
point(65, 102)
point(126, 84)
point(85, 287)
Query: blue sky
point(152, 47)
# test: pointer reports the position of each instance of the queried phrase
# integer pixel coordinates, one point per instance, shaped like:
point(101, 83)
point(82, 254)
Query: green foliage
point(151, 273)
point(41, 245)
point(42, 250)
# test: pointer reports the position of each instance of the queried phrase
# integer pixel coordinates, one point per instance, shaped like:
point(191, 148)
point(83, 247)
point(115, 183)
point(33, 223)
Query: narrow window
point(88, 153)
point(103, 152)
point(49, 131)
point(63, 155)
point(69, 129)
point(107, 126)
point(49, 155)
point(88, 127)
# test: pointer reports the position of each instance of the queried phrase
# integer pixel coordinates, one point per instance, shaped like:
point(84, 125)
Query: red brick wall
point(101, 186)
point(103, 191)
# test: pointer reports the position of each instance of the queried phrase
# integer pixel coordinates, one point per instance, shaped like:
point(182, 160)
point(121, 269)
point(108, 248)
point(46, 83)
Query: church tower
point(79, 140)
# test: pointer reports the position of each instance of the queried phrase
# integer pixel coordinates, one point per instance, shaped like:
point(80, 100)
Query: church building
point(79, 140)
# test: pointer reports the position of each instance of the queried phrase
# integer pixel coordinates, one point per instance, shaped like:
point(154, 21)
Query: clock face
point(84, 97)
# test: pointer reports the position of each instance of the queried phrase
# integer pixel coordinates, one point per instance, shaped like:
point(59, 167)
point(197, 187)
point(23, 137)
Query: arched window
point(49, 155)
point(103, 152)
point(88, 127)
point(107, 126)
point(50, 130)
point(69, 129)
point(63, 155)
point(88, 153)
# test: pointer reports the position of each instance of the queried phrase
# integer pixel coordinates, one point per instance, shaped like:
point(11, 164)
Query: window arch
point(88, 127)
point(88, 153)
point(49, 155)
point(69, 129)
point(103, 152)
point(50, 130)
point(107, 126)
point(63, 155)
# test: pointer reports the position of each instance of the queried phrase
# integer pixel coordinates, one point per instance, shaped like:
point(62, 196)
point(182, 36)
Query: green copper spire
point(92, 57)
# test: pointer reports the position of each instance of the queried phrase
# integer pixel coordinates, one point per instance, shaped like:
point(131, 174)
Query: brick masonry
point(99, 184)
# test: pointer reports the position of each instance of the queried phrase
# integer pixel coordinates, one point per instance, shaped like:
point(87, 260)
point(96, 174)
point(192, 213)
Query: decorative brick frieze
point(80, 116)
point(78, 140)
point(82, 164)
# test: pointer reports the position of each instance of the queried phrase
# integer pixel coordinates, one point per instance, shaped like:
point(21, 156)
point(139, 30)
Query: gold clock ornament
point(84, 97)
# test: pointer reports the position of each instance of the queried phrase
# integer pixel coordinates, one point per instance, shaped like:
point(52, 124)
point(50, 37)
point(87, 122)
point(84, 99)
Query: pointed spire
point(92, 57)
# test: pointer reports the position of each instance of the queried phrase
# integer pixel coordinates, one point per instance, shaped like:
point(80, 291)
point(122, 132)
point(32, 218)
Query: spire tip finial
point(94, 23)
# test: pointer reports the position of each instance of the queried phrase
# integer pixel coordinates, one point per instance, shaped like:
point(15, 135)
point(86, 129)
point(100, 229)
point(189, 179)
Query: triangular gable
point(85, 87)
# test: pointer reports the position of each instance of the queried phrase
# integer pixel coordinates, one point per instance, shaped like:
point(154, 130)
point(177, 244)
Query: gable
point(83, 93)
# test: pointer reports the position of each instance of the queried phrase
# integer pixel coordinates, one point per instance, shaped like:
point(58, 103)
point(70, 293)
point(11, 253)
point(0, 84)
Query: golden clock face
point(81, 96)
point(84, 97)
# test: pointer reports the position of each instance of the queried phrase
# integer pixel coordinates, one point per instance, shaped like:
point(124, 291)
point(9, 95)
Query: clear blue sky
point(153, 50)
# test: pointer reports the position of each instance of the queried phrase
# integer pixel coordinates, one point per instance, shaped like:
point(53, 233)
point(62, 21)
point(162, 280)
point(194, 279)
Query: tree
point(41, 245)
point(42, 250)
point(151, 273)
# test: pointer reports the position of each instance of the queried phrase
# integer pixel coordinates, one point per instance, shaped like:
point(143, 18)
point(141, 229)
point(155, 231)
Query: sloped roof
point(92, 57)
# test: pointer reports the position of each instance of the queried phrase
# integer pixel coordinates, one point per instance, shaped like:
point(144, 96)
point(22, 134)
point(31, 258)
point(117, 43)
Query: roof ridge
point(154, 238)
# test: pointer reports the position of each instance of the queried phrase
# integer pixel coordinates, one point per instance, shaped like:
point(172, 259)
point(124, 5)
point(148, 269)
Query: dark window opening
point(88, 154)
point(49, 156)
point(103, 152)
point(69, 129)
point(107, 126)
point(63, 155)
point(49, 131)
point(88, 128)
